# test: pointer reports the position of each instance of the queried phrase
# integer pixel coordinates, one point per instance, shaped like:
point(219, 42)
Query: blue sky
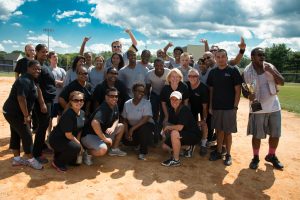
point(154, 23)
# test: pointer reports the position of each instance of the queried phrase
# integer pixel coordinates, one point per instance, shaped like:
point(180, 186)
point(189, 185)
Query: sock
point(17, 158)
point(272, 151)
point(203, 142)
point(255, 152)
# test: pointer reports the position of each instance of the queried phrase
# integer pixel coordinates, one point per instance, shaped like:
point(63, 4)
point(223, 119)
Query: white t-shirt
point(157, 83)
point(59, 74)
point(149, 66)
point(269, 102)
point(134, 113)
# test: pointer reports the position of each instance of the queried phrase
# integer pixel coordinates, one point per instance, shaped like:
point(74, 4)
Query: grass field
point(289, 97)
point(7, 74)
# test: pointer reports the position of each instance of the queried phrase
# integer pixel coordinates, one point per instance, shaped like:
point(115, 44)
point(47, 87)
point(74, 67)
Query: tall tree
point(278, 55)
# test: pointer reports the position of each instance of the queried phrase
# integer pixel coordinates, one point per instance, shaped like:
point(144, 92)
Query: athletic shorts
point(224, 120)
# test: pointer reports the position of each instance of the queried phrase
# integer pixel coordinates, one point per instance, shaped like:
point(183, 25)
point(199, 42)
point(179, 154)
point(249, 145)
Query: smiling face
point(42, 54)
point(54, 59)
point(159, 67)
point(131, 57)
point(258, 57)
point(34, 70)
point(175, 103)
point(193, 77)
point(116, 47)
point(184, 60)
point(145, 57)
point(138, 93)
point(76, 100)
point(112, 98)
point(99, 62)
point(82, 74)
point(115, 59)
point(29, 51)
point(174, 78)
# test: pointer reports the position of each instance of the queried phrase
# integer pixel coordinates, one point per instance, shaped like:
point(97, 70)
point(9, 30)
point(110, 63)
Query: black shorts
point(187, 138)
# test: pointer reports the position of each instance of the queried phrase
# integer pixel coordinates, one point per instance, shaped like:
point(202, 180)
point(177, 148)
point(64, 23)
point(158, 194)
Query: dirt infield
point(128, 178)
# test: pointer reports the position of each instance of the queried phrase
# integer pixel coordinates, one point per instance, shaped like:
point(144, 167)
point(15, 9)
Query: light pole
point(48, 30)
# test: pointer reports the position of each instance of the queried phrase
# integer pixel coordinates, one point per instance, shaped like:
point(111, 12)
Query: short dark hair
point(129, 51)
point(145, 51)
point(158, 60)
point(32, 63)
point(222, 51)
point(253, 52)
point(40, 47)
point(112, 89)
point(51, 53)
point(178, 48)
point(75, 61)
point(136, 85)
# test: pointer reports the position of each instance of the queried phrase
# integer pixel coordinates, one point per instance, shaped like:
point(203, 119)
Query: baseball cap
point(176, 94)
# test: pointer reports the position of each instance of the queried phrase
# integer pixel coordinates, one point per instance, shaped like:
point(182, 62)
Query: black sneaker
point(188, 153)
point(215, 155)
point(254, 163)
point(228, 160)
point(203, 151)
point(274, 160)
point(171, 162)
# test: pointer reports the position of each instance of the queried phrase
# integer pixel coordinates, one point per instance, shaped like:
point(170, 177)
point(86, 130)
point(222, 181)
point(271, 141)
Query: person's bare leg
point(119, 135)
point(176, 144)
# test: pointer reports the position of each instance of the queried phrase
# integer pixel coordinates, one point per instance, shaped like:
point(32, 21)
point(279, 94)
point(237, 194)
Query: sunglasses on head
point(78, 100)
point(207, 58)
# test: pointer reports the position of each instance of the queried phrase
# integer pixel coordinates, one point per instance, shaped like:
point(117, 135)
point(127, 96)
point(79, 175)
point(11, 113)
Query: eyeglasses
point(113, 96)
point(261, 55)
point(116, 46)
point(78, 100)
point(207, 58)
point(83, 73)
point(193, 76)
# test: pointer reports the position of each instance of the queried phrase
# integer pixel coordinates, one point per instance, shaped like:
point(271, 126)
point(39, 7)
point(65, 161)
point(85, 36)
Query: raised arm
point(132, 37)
point(240, 55)
point(205, 42)
point(85, 40)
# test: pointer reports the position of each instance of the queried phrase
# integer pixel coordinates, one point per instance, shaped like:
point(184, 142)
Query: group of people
point(101, 104)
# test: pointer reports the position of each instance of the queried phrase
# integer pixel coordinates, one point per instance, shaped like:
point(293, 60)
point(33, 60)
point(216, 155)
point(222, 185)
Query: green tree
point(278, 55)
point(244, 62)
point(2, 54)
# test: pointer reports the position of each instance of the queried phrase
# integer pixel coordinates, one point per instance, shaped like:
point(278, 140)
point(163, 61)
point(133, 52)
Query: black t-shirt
point(198, 96)
point(167, 90)
point(75, 86)
point(223, 82)
point(46, 82)
point(105, 116)
point(184, 117)
point(21, 66)
point(69, 122)
point(23, 86)
point(99, 93)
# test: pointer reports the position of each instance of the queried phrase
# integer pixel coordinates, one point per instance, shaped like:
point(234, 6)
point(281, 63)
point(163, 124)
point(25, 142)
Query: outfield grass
point(7, 74)
point(289, 97)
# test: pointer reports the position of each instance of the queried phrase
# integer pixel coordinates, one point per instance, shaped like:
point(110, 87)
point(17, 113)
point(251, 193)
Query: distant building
point(9, 62)
point(196, 50)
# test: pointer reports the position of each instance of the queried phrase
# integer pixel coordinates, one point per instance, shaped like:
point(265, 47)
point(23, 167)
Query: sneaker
point(116, 152)
point(215, 155)
point(42, 160)
point(171, 162)
point(19, 162)
point(203, 151)
point(274, 160)
point(59, 169)
point(35, 164)
point(87, 159)
point(188, 153)
point(228, 160)
point(141, 156)
point(254, 163)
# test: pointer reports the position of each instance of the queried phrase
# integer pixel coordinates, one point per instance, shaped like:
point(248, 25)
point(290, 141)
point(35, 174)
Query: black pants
point(143, 136)
point(65, 150)
point(43, 120)
point(19, 132)
point(158, 115)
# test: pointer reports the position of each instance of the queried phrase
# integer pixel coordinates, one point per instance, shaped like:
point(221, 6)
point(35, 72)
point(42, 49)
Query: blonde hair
point(185, 55)
point(174, 70)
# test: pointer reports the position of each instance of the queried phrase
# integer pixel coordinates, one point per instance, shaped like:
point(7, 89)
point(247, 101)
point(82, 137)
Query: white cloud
point(82, 22)
point(16, 46)
point(293, 43)
point(185, 20)
point(8, 7)
point(68, 14)
point(9, 42)
point(31, 32)
point(18, 13)
point(1, 47)
point(98, 48)
point(16, 24)
point(53, 43)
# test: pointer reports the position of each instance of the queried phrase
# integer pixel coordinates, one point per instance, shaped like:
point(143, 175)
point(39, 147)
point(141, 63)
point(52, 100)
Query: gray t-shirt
point(157, 83)
point(59, 74)
point(70, 76)
point(134, 113)
point(149, 66)
point(96, 77)
point(185, 72)
point(129, 76)
point(173, 63)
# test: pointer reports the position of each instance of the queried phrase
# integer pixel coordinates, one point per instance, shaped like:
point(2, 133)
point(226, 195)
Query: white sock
point(203, 142)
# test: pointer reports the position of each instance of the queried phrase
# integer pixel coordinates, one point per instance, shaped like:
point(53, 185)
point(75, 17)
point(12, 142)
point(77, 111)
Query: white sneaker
point(116, 152)
point(87, 159)
point(33, 163)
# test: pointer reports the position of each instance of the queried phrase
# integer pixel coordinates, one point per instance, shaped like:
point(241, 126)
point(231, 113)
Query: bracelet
point(242, 51)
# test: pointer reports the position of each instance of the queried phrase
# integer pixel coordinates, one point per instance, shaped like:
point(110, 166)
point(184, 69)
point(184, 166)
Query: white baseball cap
point(176, 94)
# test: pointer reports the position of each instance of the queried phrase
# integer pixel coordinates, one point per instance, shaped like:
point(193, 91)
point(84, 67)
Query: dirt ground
point(129, 178)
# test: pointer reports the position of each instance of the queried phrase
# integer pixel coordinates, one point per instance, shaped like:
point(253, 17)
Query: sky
point(154, 23)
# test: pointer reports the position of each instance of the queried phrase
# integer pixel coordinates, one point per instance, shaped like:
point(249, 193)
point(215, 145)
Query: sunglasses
point(261, 55)
point(213, 50)
point(78, 100)
point(83, 73)
point(193, 76)
point(113, 96)
point(116, 46)
point(207, 58)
